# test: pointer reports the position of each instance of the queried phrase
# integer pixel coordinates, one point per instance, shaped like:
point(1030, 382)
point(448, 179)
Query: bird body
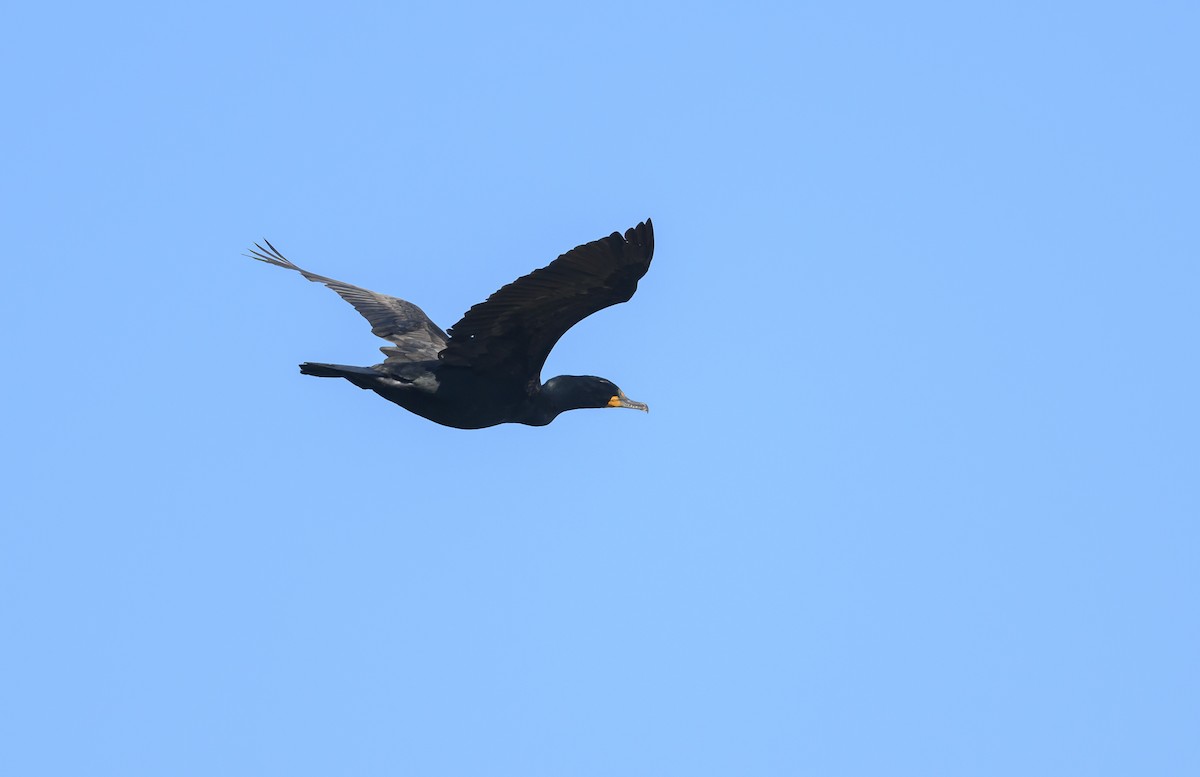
point(451, 396)
point(487, 369)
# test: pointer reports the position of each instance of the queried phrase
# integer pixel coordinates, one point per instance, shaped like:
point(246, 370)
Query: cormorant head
point(571, 392)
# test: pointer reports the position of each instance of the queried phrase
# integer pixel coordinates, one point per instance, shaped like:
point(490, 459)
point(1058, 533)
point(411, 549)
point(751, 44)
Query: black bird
point(487, 371)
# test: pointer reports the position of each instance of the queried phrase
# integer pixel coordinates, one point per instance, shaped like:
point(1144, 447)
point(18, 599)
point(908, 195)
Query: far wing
point(512, 333)
point(414, 335)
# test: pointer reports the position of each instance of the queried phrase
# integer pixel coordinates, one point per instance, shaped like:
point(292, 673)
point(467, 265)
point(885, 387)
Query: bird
point(486, 369)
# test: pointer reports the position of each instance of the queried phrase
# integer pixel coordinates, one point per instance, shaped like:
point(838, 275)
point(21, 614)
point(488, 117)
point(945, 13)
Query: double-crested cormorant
point(487, 371)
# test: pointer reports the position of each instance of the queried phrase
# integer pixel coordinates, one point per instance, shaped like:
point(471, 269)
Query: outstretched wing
point(414, 336)
point(511, 334)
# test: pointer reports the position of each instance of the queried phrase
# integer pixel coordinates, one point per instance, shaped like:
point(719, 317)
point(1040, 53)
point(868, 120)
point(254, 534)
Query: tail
point(363, 377)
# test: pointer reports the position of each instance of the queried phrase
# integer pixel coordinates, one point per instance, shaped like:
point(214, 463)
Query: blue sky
point(917, 495)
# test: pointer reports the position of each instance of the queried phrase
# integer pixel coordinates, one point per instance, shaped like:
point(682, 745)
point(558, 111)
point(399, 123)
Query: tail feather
point(363, 377)
point(333, 370)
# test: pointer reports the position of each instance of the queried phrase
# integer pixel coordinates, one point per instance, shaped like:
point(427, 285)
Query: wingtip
point(642, 235)
point(270, 255)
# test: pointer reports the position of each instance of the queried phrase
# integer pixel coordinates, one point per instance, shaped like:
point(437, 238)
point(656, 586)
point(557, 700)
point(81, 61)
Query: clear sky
point(918, 493)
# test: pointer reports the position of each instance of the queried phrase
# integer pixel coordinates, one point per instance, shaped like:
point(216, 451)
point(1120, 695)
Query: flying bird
point(486, 370)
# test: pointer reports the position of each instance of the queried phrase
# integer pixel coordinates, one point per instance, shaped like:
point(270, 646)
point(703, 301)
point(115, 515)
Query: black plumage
point(487, 369)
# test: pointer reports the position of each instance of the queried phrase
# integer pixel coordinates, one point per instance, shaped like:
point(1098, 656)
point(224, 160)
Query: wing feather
point(414, 335)
point(513, 332)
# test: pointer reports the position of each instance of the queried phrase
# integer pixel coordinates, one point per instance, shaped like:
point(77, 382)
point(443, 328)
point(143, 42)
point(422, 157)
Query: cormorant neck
point(556, 396)
point(540, 410)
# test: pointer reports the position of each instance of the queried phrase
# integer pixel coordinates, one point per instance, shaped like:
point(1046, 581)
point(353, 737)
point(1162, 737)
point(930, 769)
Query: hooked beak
point(620, 400)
